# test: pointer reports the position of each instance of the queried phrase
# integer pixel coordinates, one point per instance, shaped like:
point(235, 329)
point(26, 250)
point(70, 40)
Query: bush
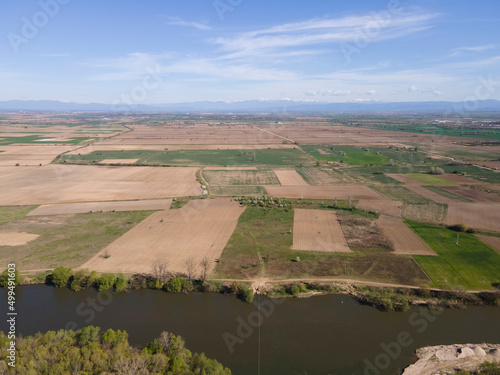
point(121, 283)
point(79, 280)
point(294, 290)
point(458, 227)
point(61, 276)
point(106, 282)
point(174, 285)
point(4, 278)
point(245, 294)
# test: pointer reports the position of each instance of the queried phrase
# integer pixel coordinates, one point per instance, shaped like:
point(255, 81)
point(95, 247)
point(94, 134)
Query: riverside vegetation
point(91, 351)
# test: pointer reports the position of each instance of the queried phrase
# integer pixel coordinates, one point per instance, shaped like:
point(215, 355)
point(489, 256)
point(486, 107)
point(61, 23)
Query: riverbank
point(451, 359)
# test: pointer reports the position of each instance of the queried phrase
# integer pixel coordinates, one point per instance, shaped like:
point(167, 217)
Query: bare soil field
point(77, 208)
point(318, 230)
point(402, 238)
point(289, 177)
point(230, 168)
point(491, 164)
point(118, 161)
point(362, 233)
point(16, 238)
point(438, 198)
point(476, 195)
point(391, 208)
point(324, 192)
point(30, 155)
point(4, 171)
point(494, 242)
point(71, 184)
point(459, 179)
point(162, 147)
point(404, 179)
point(475, 215)
point(199, 229)
point(240, 177)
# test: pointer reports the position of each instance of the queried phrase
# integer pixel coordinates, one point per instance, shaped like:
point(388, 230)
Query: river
point(321, 335)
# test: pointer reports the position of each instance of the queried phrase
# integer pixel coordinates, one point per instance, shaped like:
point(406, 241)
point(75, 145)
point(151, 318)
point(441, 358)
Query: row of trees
point(65, 277)
point(91, 351)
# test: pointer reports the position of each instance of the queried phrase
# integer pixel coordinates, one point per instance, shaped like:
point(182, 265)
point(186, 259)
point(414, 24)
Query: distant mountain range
point(260, 106)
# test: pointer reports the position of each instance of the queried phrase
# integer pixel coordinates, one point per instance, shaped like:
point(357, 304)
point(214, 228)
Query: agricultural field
point(429, 179)
point(197, 231)
point(485, 216)
point(274, 157)
point(470, 264)
point(447, 192)
point(323, 192)
point(240, 177)
point(65, 240)
point(318, 230)
point(324, 176)
point(346, 154)
point(237, 191)
point(289, 177)
point(401, 194)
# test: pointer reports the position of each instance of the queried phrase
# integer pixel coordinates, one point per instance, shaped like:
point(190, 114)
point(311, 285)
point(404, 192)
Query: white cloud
point(176, 21)
point(475, 48)
point(327, 93)
point(427, 90)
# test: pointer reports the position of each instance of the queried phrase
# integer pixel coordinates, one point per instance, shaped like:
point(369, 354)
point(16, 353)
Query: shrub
point(79, 280)
point(106, 282)
point(4, 278)
point(245, 294)
point(458, 227)
point(121, 283)
point(174, 285)
point(61, 276)
point(294, 290)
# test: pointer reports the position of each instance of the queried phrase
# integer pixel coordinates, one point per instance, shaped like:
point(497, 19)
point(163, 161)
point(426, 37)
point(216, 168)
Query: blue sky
point(167, 51)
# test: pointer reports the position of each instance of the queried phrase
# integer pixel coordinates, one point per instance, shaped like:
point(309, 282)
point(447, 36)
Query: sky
point(170, 51)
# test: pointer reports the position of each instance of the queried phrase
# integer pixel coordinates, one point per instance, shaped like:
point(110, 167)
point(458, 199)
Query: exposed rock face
point(447, 359)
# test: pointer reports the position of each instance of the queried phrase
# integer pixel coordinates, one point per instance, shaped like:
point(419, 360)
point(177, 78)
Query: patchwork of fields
point(340, 198)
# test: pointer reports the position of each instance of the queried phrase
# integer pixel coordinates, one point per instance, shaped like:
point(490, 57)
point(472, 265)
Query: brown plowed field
point(324, 192)
point(118, 161)
point(475, 215)
point(391, 208)
point(402, 238)
point(57, 183)
point(31, 155)
point(491, 164)
point(16, 238)
point(318, 230)
point(240, 177)
point(475, 195)
point(77, 208)
point(289, 177)
point(458, 179)
point(199, 229)
point(162, 147)
point(230, 168)
point(438, 198)
point(494, 242)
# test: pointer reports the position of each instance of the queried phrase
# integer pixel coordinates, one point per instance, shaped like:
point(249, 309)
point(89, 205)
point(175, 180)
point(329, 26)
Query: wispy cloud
point(475, 48)
point(322, 31)
point(428, 90)
point(177, 21)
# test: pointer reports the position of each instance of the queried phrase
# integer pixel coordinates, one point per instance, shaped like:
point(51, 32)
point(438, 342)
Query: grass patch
point(9, 213)
point(198, 157)
point(236, 191)
point(471, 264)
point(243, 177)
point(447, 194)
point(347, 154)
point(66, 240)
point(479, 174)
point(430, 179)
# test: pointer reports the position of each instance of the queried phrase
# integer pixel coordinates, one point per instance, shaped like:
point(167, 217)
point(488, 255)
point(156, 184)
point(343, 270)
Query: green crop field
point(199, 157)
point(241, 177)
point(237, 190)
point(8, 213)
point(400, 193)
point(347, 154)
point(479, 174)
point(471, 264)
point(430, 179)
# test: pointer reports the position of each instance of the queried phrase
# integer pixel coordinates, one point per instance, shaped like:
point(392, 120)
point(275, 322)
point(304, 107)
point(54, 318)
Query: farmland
point(135, 180)
point(471, 264)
